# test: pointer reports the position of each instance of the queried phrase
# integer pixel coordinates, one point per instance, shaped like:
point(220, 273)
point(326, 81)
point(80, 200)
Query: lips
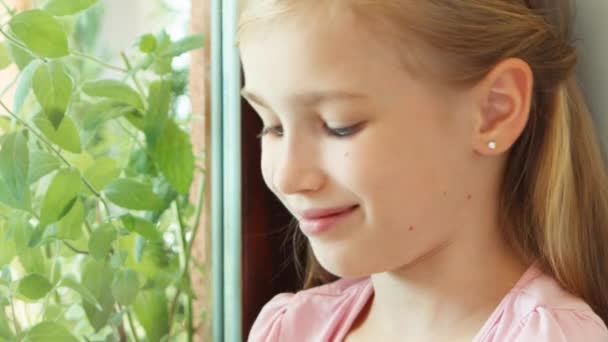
point(317, 221)
point(312, 214)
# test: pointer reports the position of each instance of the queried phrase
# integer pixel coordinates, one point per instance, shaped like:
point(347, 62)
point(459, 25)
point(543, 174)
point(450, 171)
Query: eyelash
point(335, 132)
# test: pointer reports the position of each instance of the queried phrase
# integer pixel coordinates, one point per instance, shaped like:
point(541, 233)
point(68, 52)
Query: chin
point(345, 265)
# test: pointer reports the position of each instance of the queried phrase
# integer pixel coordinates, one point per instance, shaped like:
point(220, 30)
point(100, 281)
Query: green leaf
point(66, 136)
point(24, 85)
point(34, 286)
point(151, 310)
point(7, 198)
point(49, 331)
point(41, 164)
point(174, 157)
point(70, 281)
point(22, 57)
point(140, 226)
point(6, 333)
point(96, 277)
point(131, 194)
point(101, 241)
point(115, 90)
point(53, 89)
point(14, 166)
point(60, 196)
point(68, 7)
point(5, 58)
point(102, 172)
point(183, 45)
point(155, 120)
point(40, 32)
point(70, 226)
point(125, 286)
point(147, 43)
point(7, 246)
point(102, 111)
point(31, 258)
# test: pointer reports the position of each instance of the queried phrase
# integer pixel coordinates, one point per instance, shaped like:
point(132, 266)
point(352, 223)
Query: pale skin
point(417, 164)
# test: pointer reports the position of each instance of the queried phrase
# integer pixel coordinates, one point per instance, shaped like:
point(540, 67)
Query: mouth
point(323, 222)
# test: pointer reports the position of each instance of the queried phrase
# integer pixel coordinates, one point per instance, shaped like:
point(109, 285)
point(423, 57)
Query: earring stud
point(492, 145)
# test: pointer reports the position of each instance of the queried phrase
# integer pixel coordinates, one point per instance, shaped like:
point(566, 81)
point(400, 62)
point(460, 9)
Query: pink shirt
point(537, 309)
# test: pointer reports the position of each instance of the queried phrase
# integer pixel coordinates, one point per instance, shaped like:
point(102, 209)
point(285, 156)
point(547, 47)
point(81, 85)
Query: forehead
point(310, 51)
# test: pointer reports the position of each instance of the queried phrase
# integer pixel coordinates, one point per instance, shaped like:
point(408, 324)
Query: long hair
point(554, 194)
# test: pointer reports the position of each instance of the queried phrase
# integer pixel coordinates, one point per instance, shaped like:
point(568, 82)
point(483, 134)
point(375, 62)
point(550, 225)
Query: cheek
point(266, 165)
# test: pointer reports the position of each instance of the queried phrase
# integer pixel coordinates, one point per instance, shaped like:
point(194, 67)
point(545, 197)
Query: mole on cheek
point(469, 197)
point(411, 228)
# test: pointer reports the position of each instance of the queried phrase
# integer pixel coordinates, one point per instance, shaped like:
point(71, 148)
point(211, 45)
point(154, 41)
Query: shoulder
point(539, 309)
point(314, 313)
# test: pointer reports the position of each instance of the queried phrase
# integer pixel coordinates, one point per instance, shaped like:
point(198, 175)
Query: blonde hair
point(554, 193)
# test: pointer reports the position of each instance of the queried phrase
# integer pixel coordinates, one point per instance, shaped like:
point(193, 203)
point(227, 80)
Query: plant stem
point(74, 249)
point(9, 86)
point(10, 10)
point(188, 250)
point(15, 321)
point(130, 319)
point(19, 44)
point(50, 146)
point(185, 274)
point(133, 75)
point(98, 61)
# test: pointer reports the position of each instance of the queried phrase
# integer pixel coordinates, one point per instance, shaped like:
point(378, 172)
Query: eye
point(274, 130)
point(343, 132)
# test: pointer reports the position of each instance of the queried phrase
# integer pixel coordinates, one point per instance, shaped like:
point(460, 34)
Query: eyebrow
point(308, 99)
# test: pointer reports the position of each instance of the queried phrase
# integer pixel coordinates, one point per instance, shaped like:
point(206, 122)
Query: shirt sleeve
point(546, 325)
point(267, 326)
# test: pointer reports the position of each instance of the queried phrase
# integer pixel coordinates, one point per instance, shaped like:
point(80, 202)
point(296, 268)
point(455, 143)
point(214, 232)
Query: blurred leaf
point(151, 310)
point(20, 56)
point(102, 172)
point(7, 245)
point(175, 158)
point(115, 90)
point(34, 286)
point(31, 258)
point(24, 85)
point(183, 45)
point(66, 137)
point(70, 281)
point(147, 43)
point(60, 196)
point(140, 226)
point(125, 286)
point(68, 7)
point(155, 120)
point(102, 111)
point(49, 331)
point(101, 241)
point(97, 277)
point(5, 58)
point(6, 334)
point(41, 164)
point(53, 89)
point(14, 167)
point(40, 32)
point(7, 198)
point(70, 226)
point(131, 194)
point(42, 235)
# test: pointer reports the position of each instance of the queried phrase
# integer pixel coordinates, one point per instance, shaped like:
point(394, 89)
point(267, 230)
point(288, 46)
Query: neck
point(453, 289)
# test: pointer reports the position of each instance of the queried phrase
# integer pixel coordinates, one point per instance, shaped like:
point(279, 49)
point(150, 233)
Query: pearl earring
point(492, 145)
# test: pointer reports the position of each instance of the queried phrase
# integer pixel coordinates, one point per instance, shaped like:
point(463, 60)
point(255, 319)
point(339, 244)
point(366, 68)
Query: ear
point(503, 100)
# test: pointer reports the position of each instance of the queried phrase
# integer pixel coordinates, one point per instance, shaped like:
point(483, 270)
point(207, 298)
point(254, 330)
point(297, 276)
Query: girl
point(442, 165)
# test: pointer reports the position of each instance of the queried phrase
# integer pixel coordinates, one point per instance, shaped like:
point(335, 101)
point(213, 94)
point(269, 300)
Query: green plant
point(95, 174)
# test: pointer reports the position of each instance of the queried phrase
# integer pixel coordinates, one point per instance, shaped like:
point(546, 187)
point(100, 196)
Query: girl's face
point(351, 127)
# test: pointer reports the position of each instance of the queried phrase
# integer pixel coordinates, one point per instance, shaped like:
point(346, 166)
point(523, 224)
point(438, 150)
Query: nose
point(296, 168)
